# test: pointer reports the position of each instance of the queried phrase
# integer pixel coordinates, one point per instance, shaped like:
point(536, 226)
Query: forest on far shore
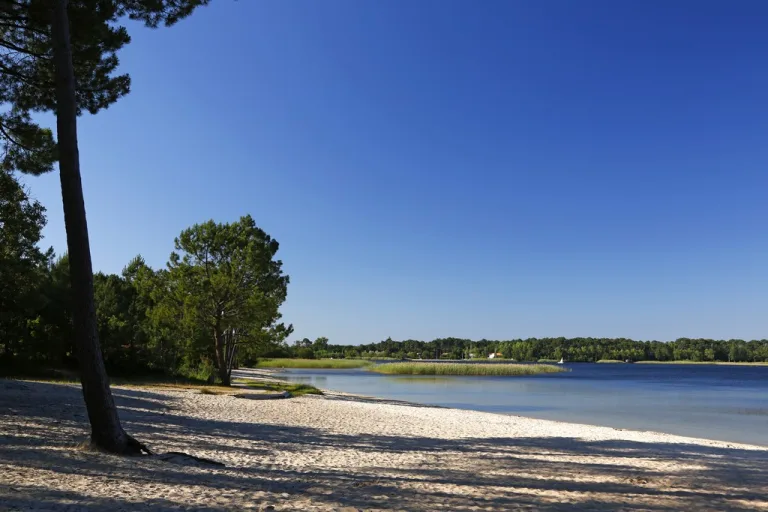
point(534, 349)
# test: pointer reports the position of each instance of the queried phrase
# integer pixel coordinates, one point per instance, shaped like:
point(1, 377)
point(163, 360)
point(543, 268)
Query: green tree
point(22, 263)
point(226, 278)
point(171, 337)
point(320, 346)
point(737, 351)
point(122, 323)
point(52, 332)
point(59, 56)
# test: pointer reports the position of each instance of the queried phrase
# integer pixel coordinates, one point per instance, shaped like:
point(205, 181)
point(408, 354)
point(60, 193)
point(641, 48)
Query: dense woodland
point(534, 349)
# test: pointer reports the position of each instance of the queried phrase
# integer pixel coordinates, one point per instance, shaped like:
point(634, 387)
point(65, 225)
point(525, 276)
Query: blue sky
point(438, 168)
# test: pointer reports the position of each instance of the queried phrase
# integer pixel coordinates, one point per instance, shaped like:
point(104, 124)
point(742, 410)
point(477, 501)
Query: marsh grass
point(464, 369)
point(312, 363)
point(609, 361)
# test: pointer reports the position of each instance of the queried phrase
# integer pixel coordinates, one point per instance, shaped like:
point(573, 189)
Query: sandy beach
point(341, 452)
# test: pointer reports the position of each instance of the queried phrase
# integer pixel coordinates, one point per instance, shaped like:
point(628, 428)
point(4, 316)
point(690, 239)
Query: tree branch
point(8, 136)
point(10, 24)
point(18, 49)
point(8, 71)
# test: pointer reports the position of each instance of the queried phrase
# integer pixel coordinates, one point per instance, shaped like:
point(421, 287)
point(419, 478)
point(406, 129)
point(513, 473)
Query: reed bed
point(464, 369)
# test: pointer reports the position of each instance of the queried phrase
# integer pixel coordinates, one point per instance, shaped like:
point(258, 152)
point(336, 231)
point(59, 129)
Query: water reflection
point(425, 379)
point(316, 380)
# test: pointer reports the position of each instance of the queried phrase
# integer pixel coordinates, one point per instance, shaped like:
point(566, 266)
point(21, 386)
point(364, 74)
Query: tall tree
point(22, 263)
point(122, 323)
point(52, 332)
point(59, 55)
point(226, 277)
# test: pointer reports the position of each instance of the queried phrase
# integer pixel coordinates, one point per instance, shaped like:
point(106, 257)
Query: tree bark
point(106, 431)
point(221, 361)
point(231, 351)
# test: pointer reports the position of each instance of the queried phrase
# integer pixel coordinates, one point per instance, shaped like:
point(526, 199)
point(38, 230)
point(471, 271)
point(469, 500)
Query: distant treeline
point(534, 349)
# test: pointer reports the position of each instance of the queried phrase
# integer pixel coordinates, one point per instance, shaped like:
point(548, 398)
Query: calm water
point(728, 403)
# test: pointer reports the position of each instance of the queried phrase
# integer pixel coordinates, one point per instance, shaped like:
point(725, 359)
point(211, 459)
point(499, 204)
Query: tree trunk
point(221, 360)
point(106, 431)
point(230, 350)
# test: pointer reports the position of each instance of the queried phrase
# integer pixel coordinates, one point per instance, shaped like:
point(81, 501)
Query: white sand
point(350, 453)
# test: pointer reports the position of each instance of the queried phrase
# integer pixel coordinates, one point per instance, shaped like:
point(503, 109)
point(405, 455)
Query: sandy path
point(349, 453)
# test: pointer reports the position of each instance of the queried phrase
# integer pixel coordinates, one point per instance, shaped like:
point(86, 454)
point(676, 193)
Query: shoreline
point(406, 403)
point(259, 374)
point(348, 452)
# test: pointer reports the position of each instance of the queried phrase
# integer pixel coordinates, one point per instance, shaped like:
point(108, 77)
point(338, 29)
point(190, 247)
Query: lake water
point(727, 403)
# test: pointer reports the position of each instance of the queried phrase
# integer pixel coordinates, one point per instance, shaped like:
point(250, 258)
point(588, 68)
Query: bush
point(305, 353)
point(204, 372)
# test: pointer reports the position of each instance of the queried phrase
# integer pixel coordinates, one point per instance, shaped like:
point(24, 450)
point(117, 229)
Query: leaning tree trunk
point(106, 431)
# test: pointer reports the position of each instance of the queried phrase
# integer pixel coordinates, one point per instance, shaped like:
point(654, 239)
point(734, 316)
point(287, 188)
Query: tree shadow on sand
point(501, 473)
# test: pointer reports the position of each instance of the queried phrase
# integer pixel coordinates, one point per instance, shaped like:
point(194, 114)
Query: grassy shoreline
point(313, 363)
point(464, 369)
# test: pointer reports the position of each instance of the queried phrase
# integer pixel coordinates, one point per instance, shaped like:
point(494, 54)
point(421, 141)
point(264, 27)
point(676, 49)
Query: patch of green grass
point(464, 369)
point(312, 363)
point(610, 361)
point(294, 388)
point(548, 361)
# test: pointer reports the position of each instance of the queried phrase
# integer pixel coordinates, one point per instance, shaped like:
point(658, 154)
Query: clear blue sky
point(437, 168)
